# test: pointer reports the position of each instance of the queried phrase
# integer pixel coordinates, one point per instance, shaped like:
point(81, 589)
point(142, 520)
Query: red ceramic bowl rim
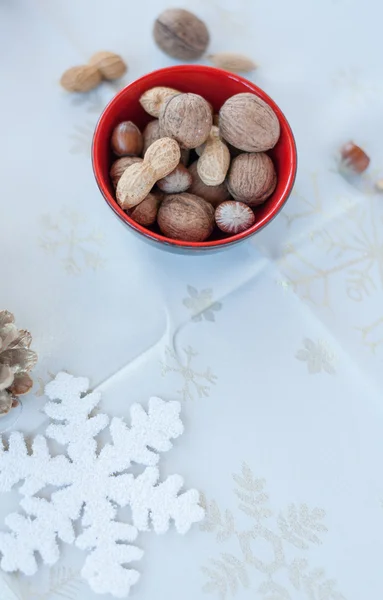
point(277, 206)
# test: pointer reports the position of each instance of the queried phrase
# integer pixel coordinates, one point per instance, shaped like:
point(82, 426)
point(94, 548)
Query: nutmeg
point(181, 34)
point(177, 181)
point(186, 217)
point(120, 165)
point(187, 118)
point(145, 213)
point(248, 123)
point(150, 134)
point(252, 178)
point(126, 139)
point(214, 194)
point(234, 217)
point(110, 65)
point(81, 79)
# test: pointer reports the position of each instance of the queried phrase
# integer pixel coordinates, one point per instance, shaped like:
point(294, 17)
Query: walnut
point(187, 118)
point(252, 178)
point(181, 34)
point(248, 123)
point(186, 217)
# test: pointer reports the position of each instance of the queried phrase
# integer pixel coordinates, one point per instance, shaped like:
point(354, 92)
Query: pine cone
point(16, 360)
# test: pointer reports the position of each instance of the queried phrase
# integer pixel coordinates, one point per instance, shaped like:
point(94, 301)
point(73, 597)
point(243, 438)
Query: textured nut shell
point(177, 181)
point(134, 185)
point(152, 100)
point(163, 157)
point(120, 165)
point(230, 61)
point(186, 217)
point(110, 65)
point(81, 79)
point(126, 139)
point(214, 162)
point(187, 118)
point(234, 217)
point(214, 194)
point(145, 213)
point(248, 123)
point(181, 34)
point(252, 178)
point(151, 134)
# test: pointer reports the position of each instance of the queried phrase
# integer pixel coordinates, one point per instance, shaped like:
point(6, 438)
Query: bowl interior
point(216, 86)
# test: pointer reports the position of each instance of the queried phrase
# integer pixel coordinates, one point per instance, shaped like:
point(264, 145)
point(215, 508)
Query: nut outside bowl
point(216, 86)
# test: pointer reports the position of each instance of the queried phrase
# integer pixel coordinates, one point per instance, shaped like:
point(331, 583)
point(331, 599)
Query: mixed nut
point(190, 171)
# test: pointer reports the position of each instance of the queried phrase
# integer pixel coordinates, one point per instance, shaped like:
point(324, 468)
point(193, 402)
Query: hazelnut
point(354, 158)
point(150, 134)
point(214, 194)
point(127, 139)
point(145, 213)
point(187, 118)
point(110, 65)
point(186, 217)
point(234, 217)
point(177, 181)
point(81, 79)
point(181, 34)
point(252, 178)
point(248, 123)
point(120, 165)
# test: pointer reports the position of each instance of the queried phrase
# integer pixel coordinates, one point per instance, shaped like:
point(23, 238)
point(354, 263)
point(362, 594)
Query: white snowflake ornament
point(93, 485)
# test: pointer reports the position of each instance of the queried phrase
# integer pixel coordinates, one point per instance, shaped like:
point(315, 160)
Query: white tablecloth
point(275, 347)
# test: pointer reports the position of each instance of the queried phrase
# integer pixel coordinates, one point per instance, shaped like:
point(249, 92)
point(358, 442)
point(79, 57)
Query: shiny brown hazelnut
point(126, 139)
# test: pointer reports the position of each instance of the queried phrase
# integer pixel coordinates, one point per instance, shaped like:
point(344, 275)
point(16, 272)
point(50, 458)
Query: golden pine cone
point(16, 361)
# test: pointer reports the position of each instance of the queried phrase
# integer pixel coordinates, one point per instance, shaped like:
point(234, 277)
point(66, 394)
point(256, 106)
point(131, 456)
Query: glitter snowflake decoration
point(92, 485)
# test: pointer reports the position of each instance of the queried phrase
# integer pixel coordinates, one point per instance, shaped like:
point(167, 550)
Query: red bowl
point(216, 86)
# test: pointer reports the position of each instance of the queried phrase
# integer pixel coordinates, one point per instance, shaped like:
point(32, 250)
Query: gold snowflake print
point(271, 556)
point(372, 334)
point(66, 238)
point(201, 304)
point(350, 246)
point(193, 381)
point(318, 357)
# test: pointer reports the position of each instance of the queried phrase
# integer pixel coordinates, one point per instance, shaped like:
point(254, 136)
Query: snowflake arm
point(149, 432)
point(36, 470)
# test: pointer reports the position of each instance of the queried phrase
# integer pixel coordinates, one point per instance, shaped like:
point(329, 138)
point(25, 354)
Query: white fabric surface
point(274, 348)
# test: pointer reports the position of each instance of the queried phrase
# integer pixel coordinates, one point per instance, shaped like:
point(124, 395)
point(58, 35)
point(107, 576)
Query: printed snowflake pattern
point(265, 547)
point(318, 357)
point(350, 247)
point(372, 335)
point(65, 237)
point(92, 485)
point(201, 304)
point(192, 380)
